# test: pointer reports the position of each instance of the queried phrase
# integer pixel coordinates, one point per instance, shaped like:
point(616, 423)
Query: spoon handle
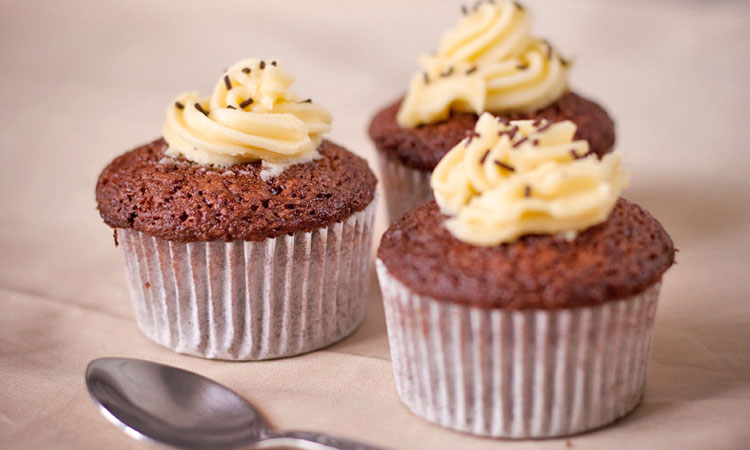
point(313, 440)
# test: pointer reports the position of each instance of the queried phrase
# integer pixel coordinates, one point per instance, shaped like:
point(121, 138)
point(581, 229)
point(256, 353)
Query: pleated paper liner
point(518, 374)
point(246, 300)
point(405, 188)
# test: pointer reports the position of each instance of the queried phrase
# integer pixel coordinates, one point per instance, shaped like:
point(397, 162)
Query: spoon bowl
point(172, 406)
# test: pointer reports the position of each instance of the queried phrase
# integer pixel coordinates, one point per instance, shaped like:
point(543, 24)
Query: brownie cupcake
point(246, 235)
point(521, 303)
point(488, 61)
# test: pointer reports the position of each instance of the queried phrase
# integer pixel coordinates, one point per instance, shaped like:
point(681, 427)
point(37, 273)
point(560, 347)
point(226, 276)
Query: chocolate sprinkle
point(246, 70)
point(179, 105)
point(309, 100)
point(510, 133)
point(504, 166)
point(537, 122)
point(448, 72)
point(426, 78)
point(273, 63)
point(544, 128)
point(227, 83)
point(246, 103)
point(484, 157)
point(522, 67)
point(519, 6)
point(519, 142)
point(230, 107)
point(564, 62)
point(549, 48)
point(262, 65)
point(471, 134)
point(464, 10)
point(527, 191)
point(535, 142)
point(200, 108)
point(471, 70)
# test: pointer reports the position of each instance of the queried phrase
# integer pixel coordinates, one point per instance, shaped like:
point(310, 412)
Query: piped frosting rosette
point(509, 179)
point(489, 61)
point(251, 115)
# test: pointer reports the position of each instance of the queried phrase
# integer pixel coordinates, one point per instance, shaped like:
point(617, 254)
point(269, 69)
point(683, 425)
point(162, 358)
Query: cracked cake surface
point(614, 260)
point(422, 147)
point(177, 200)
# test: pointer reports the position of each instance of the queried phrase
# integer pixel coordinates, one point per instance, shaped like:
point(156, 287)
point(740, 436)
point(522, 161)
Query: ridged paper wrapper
point(405, 188)
point(246, 300)
point(518, 373)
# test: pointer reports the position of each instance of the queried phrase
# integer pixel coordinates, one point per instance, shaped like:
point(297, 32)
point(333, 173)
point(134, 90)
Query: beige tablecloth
point(84, 80)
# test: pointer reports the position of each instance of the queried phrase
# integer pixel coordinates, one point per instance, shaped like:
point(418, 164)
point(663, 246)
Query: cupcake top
point(616, 259)
point(422, 147)
point(248, 163)
point(508, 179)
point(527, 217)
point(488, 61)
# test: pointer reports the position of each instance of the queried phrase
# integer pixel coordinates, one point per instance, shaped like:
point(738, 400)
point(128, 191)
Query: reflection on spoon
point(175, 407)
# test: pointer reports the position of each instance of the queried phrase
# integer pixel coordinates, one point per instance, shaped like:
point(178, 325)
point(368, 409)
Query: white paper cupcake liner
point(405, 188)
point(518, 374)
point(246, 300)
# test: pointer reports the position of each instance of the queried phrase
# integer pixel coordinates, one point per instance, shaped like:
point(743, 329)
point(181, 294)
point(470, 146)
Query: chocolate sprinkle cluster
point(541, 125)
point(228, 84)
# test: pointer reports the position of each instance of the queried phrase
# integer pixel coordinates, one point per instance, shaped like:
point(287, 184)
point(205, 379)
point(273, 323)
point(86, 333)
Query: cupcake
point(520, 303)
point(246, 235)
point(488, 61)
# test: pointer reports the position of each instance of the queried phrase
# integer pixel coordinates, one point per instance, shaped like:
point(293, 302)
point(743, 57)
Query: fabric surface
point(83, 81)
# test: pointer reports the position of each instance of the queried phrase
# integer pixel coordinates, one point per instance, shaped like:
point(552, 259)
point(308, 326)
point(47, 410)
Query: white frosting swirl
point(488, 62)
point(251, 115)
point(509, 179)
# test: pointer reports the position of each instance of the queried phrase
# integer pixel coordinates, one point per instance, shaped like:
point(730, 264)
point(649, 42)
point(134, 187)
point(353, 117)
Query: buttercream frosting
point(509, 179)
point(488, 61)
point(251, 115)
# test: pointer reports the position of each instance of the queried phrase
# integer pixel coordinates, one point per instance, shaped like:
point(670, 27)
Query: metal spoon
point(151, 401)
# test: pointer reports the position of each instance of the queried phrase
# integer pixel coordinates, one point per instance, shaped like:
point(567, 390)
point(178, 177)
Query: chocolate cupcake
point(246, 235)
point(521, 303)
point(489, 61)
